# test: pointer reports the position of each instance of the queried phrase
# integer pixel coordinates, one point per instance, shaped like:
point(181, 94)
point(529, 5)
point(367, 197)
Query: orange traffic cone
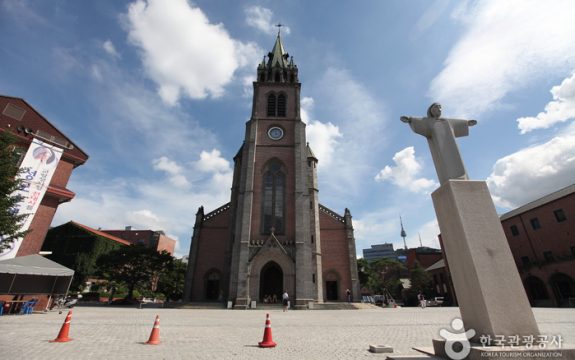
point(155, 334)
point(63, 334)
point(267, 340)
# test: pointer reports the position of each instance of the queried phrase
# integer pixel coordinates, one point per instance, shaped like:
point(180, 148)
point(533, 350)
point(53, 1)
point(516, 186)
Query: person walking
point(421, 299)
point(348, 295)
point(285, 300)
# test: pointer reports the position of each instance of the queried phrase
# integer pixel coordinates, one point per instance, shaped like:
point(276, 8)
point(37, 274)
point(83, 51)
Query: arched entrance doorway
point(563, 288)
point(331, 286)
point(271, 281)
point(536, 291)
point(212, 285)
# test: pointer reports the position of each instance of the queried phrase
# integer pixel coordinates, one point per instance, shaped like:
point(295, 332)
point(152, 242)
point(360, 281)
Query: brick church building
point(273, 235)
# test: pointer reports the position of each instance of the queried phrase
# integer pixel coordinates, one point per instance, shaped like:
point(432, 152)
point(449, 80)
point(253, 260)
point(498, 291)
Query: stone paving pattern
point(119, 333)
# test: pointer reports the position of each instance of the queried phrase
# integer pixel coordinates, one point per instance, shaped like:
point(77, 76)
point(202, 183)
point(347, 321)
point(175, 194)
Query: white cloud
point(561, 109)
point(248, 85)
point(428, 233)
point(322, 137)
point(24, 13)
point(144, 219)
point(182, 51)
point(261, 19)
point(165, 164)
point(534, 172)
point(109, 48)
point(404, 173)
point(431, 15)
point(507, 44)
point(96, 73)
point(173, 170)
point(213, 162)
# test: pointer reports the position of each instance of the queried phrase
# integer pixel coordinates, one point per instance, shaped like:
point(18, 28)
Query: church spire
point(278, 57)
point(279, 67)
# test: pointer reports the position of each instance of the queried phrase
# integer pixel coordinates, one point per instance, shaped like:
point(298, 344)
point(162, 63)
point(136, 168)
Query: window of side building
point(514, 230)
point(535, 223)
point(560, 215)
point(525, 260)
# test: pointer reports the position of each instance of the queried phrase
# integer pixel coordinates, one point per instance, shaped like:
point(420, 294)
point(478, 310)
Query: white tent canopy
point(34, 274)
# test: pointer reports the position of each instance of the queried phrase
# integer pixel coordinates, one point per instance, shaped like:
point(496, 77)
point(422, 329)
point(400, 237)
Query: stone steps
point(196, 305)
point(261, 306)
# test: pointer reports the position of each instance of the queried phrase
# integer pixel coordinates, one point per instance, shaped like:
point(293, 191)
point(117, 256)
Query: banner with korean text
point(36, 171)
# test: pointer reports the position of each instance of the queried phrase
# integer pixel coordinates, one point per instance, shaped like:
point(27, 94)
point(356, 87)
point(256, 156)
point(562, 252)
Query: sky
point(158, 92)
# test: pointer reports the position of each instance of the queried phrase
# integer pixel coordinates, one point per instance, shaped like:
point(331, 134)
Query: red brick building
point(25, 123)
point(541, 235)
point(273, 235)
point(422, 256)
point(150, 238)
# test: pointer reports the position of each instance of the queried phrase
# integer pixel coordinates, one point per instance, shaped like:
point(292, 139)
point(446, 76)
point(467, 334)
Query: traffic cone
point(63, 334)
point(267, 341)
point(155, 334)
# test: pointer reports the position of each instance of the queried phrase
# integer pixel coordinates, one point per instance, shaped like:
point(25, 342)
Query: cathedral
point(273, 235)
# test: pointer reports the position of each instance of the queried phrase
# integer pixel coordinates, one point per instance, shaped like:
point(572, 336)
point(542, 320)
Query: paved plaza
point(119, 333)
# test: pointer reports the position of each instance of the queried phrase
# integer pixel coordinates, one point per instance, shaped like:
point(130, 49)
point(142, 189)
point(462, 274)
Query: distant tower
point(403, 234)
point(420, 243)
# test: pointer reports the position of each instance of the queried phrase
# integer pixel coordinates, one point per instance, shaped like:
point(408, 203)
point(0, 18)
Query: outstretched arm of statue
point(406, 119)
point(471, 122)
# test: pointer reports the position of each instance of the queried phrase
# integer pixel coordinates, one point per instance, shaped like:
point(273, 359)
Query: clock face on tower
point(275, 133)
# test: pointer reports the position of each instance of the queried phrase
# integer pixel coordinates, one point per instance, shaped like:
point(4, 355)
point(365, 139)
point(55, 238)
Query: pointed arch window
point(276, 105)
point(273, 198)
point(272, 105)
point(281, 105)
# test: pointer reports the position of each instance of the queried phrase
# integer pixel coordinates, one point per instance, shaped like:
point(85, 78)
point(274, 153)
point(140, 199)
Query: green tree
point(363, 272)
point(136, 266)
point(171, 282)
point(422, 281)
point(10, 221)
point(381, 274)
point(385, 275)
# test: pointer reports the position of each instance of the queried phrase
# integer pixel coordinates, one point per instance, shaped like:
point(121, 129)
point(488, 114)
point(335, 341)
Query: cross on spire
point(279, 25)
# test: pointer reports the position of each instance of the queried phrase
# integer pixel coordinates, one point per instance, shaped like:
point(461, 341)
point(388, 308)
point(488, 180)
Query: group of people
point(273, 299)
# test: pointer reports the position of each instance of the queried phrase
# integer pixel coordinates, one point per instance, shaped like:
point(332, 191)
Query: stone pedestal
point(490, 293)
point(302, 304)
point(242, 303)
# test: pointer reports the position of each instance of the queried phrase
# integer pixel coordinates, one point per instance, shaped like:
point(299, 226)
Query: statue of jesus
point(441, 134)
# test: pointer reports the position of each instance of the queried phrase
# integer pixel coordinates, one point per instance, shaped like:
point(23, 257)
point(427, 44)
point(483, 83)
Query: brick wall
point(214, 240)
point(334, 251)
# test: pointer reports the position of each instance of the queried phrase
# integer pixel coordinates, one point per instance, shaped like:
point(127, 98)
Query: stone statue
point(441, 134)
